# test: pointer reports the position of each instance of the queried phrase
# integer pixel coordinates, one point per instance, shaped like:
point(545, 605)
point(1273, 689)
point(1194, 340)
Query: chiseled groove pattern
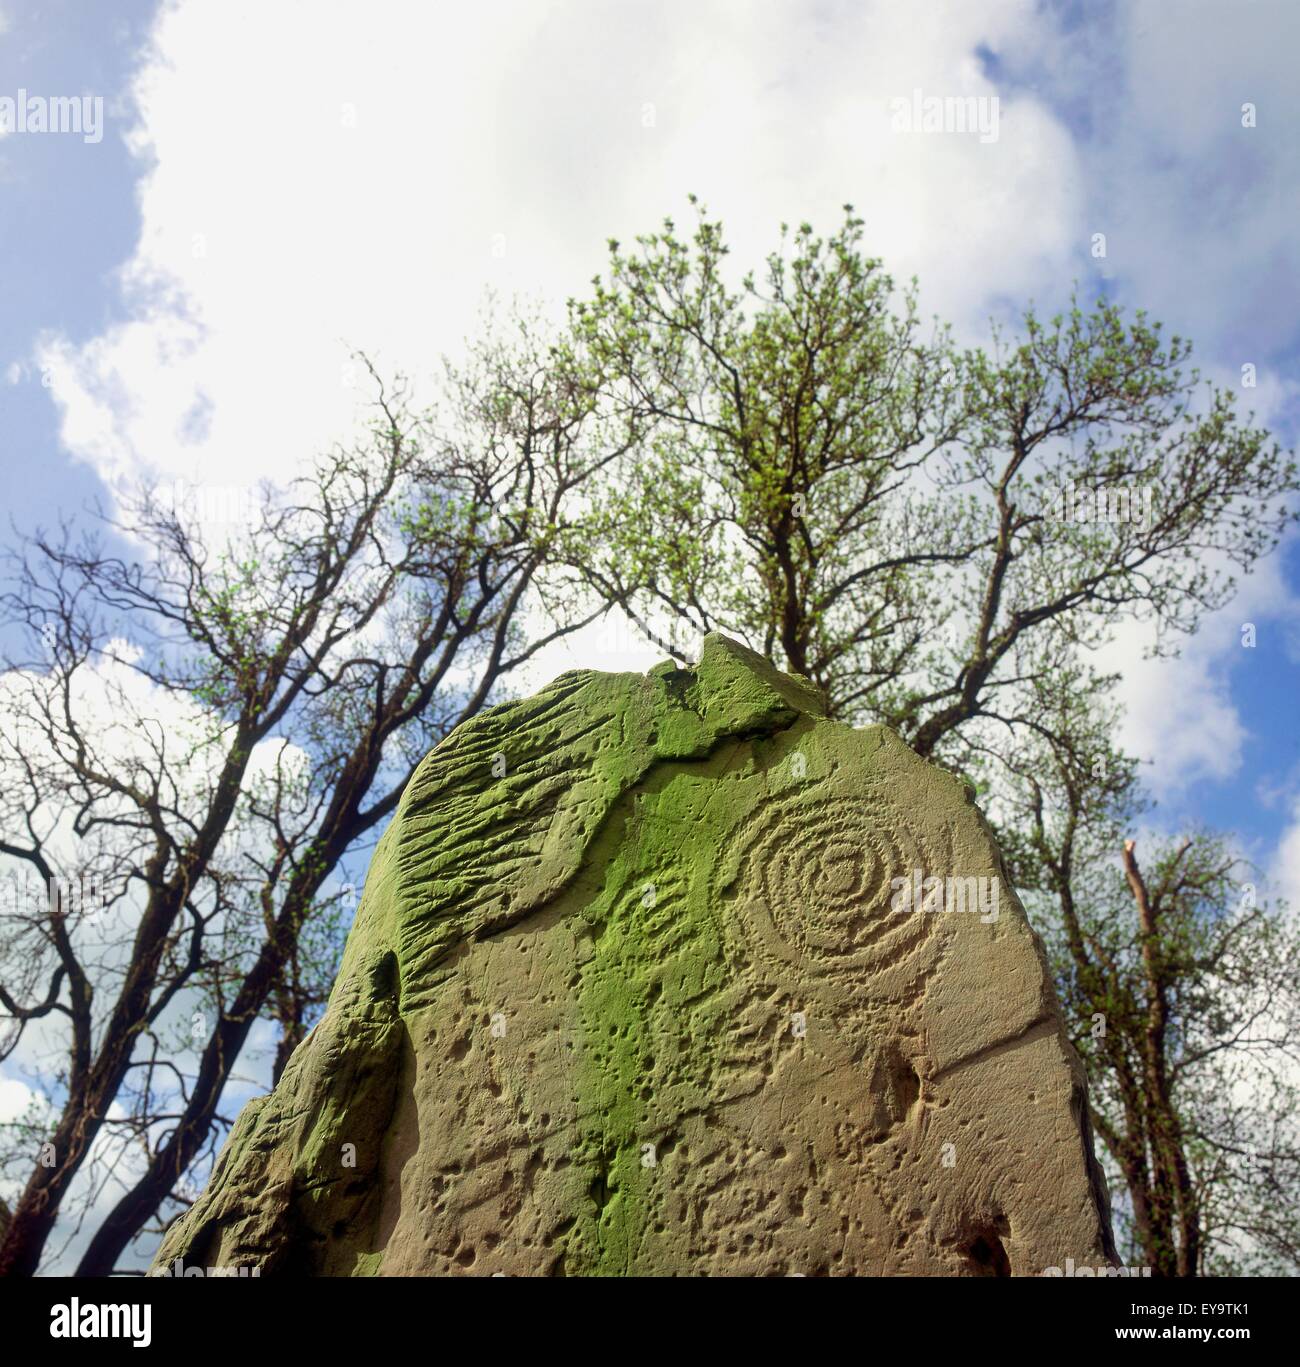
point(461, 857)
point(670, 874)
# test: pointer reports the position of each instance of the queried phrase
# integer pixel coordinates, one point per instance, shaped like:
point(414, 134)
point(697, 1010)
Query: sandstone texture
point(631, 992)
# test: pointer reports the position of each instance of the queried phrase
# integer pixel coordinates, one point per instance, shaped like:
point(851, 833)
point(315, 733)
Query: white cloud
point(1180, 712)
point(1285, 871)
point(371, 172)
point(1185, 192)
point(15, 1097)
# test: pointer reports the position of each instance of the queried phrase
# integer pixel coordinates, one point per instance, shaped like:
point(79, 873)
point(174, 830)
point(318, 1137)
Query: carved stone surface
point(652, 976)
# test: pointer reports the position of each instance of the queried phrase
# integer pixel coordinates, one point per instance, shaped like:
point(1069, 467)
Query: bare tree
point(1178, 981)
point(206, 731)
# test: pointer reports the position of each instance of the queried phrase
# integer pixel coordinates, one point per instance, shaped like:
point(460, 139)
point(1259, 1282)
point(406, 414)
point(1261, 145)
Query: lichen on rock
point(672, 975)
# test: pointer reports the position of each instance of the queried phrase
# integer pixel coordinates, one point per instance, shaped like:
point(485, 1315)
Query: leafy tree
point(791, 458)
point(884, 514)
point(1179, 983)
point(940, 539)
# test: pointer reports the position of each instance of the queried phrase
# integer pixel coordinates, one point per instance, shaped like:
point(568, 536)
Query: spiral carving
point(810, 880)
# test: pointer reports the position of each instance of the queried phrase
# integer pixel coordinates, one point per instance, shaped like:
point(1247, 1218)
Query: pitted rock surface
point(650, 977)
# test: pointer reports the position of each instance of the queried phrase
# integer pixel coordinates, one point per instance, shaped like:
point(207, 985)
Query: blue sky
point(277, 183)
point(69, 218)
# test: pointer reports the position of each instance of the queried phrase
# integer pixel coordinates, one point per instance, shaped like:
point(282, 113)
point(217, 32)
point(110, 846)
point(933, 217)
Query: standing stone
point(652, 976)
